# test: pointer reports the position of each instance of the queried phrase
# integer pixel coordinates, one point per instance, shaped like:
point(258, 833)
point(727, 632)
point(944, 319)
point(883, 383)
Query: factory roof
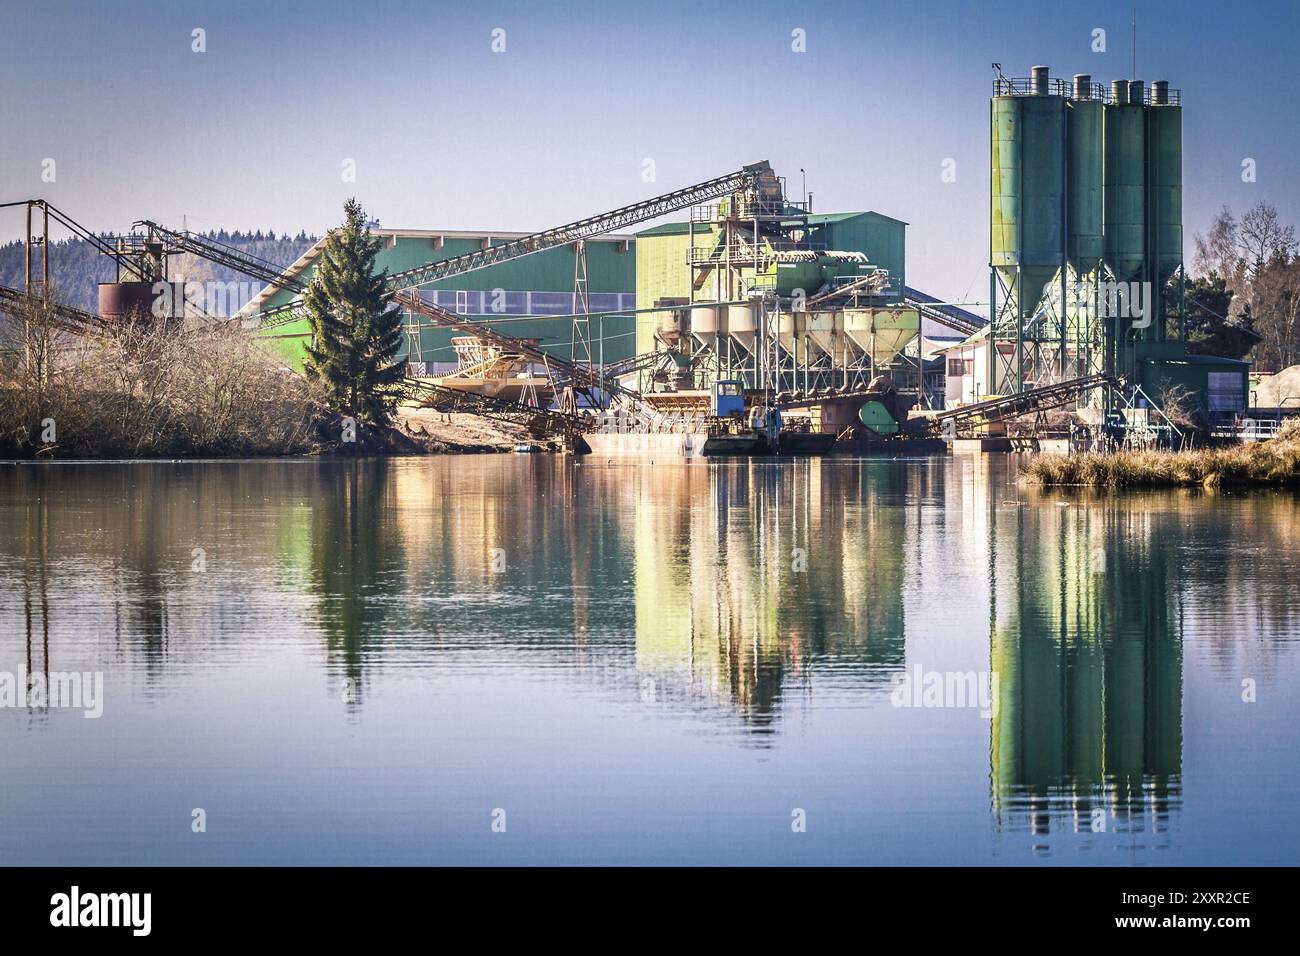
point(817, 219)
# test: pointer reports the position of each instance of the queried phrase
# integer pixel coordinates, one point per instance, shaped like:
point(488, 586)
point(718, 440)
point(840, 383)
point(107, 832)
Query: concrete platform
point(968, 445)
point(644, 445)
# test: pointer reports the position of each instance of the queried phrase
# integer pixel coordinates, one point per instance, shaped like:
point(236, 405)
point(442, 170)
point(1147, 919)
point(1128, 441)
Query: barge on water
point(729, 421)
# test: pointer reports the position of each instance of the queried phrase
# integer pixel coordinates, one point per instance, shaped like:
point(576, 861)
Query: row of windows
point(501, 302)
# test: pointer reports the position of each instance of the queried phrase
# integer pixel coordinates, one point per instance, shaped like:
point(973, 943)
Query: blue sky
point(446, 133)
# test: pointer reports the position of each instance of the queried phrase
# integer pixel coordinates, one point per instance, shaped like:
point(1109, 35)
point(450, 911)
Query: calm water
point(637, 662)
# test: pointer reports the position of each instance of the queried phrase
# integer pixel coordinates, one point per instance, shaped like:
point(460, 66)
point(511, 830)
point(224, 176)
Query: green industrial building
point(516, 296)
point(663, 256)
point(533, 296)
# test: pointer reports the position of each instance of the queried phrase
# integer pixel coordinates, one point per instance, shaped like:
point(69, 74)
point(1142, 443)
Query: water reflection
point(739, 600)
point(768, 572)
point(1094, 598)
point(1087, 643)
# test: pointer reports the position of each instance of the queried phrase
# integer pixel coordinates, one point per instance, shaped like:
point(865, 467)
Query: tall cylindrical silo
point(1082, 352)
point(1124, 186)
point(1028, 197)
point(1164, 171)
point(1084, 174)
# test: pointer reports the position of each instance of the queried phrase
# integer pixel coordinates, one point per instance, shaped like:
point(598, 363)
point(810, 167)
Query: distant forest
point(76, 268)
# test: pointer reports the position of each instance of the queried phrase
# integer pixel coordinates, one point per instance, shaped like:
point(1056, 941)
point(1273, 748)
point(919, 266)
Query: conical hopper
point(790, 331)
point(881, 333)
point(822, 328)
point(742, 326)
point(706, 325)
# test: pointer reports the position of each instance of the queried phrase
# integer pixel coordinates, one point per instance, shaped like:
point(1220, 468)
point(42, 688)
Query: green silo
point(1125, 185)
point(1082, 348)
point(1164, 171)
point(1027, 235)
point(1084, 177)
point(1124, 190)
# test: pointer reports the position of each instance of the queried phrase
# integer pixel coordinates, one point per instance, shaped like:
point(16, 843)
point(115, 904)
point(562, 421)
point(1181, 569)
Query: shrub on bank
point(148, 389)
point(1275, 462)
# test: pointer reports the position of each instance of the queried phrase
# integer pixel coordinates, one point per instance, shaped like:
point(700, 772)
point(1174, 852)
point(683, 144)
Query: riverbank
point(1273, 463)
point(146, 390)
point(415, 431)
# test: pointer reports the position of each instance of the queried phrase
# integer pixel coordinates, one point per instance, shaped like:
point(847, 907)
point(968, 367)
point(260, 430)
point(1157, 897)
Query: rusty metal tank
point(119, 300)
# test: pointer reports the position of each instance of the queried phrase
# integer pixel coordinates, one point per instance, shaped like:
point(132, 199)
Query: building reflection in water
point(749, 574)
point(714, 585)
point(724, 586)
point(1087, 648)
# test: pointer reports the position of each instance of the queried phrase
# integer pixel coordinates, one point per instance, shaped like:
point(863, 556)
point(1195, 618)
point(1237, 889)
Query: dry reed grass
point(1275, 462)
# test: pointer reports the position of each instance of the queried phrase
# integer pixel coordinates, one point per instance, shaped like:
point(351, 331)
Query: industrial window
point(1225, 392)
point(956, 368)
point(552, 303)
point(499, 302)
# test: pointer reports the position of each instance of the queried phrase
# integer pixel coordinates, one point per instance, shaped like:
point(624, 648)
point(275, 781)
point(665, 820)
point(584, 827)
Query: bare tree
point(142, 386)
point(1217, 251)
point(33, 345)
point(1239, 251)
point(1263, 238)
point(1277, 313)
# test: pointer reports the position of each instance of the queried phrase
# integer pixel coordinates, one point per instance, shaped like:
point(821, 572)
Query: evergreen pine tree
point(355, 338)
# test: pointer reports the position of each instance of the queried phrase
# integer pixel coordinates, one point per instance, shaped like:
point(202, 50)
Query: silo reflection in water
point(1087, 645)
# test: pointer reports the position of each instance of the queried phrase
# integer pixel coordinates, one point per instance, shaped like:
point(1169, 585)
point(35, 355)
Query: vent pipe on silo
point(1119, 92)
point(1083, 86)
point(1038, 80)
point(1136, 96)
point(1160, 92)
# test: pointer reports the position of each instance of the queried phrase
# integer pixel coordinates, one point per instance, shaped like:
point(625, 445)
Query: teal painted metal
point(1084, 184)
point(1126, 218)
point(1042, 164)
point(611, 268)
point(882, 239)
point(875, 416)
point(1083, 350)
point(1119, 231)
point(1125, 190)
point(1164, 190)
point(1027, 232)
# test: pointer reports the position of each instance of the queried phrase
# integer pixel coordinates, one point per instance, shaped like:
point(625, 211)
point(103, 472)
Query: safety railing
point(1247, 429)
point(1054, 86)
point(748, 209)
point(667, 423)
